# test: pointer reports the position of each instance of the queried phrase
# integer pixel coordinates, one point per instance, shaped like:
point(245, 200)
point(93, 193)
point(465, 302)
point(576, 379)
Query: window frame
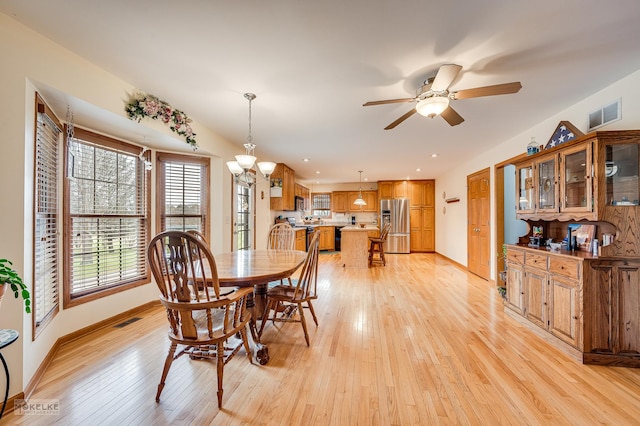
point(109, 143)
point(166, 157)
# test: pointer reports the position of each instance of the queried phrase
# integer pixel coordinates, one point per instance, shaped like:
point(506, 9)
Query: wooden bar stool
point(376, 245)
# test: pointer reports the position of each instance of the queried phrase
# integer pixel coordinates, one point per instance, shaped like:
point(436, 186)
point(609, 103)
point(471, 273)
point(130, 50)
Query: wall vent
point(605, 115)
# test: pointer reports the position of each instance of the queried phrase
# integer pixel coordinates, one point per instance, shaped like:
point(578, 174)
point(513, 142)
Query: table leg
point(6, 393)
point(260, 351)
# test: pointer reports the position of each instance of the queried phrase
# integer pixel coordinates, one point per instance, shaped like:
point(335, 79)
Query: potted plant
point(8, 276)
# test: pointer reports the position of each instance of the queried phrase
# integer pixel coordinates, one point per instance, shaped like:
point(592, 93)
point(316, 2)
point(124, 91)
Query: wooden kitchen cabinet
point(327, 237)
point(400, 189)
point(385, 190)
point(422, 229)
point(339, 201)
point(369, 197)
point(301, 239)
point(283, 176)
point(304, 193)
point(422, 193)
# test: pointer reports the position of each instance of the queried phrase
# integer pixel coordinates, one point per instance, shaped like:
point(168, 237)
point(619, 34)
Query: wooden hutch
point(587, 304)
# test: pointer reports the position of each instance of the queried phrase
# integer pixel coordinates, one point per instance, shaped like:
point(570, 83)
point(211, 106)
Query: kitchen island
point(355, 245)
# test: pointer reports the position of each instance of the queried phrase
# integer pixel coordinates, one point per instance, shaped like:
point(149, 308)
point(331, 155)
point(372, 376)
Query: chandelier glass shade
point(430, 107)
point(360, 201)
point(241, 167)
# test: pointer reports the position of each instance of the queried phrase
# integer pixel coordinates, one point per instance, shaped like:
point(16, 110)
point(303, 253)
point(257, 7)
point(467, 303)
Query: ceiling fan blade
point(451, 116)
point(445, 76)
point(498, 89)
point(389, 101)
point(401, 119)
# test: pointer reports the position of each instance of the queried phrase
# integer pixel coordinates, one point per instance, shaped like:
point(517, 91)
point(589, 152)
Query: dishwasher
point(338, 235)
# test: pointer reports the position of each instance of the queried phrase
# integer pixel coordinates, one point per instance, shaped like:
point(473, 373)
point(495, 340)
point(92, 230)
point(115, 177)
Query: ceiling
point(312, 64)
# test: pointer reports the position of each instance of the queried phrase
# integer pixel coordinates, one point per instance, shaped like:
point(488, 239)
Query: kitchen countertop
point(359, 228)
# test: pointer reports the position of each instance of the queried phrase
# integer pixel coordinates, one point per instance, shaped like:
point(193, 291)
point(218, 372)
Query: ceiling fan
point(434, 96)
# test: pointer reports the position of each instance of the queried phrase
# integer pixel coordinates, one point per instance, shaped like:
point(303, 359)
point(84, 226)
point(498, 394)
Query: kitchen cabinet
point(301, 239)
point(385, 190)
point(327, 237)
point(370, 197)
point(393, 189)
point(284, 177)
point(339, 201)
point(422, 229)
point(422, 193)
point(304, 193)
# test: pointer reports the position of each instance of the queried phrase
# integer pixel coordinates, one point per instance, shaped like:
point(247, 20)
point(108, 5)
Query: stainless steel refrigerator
point(396, 212)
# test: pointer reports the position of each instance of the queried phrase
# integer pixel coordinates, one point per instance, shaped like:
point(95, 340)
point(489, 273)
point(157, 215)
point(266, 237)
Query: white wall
point(451, 237)
point(31, 61)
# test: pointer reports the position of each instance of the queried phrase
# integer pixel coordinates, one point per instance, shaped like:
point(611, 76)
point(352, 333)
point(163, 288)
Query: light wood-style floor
point(420, 341)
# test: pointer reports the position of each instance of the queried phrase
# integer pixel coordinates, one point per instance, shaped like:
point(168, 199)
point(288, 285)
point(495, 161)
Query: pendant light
point(245, 162)
point(360, 201)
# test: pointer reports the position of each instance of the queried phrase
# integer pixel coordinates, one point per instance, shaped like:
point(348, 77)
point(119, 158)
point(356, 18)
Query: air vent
point(127, 322)
point(605, 115)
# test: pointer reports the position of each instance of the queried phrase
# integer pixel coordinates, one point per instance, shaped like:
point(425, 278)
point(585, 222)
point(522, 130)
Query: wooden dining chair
point(282, 236)
point(202, 322)
point(376, 245)
point(285, 300)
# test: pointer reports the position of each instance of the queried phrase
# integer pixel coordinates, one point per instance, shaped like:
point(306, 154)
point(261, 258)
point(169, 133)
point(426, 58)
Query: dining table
point(257, 268)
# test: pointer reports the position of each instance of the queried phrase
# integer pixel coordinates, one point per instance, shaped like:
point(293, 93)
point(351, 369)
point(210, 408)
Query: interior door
point(479, 228)
point(243, 216)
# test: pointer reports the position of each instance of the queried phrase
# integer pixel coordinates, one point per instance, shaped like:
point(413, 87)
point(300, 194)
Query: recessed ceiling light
point(306, 160)
point(366, 179)
point(434, 155)
point(317, 172)
point(418, 170)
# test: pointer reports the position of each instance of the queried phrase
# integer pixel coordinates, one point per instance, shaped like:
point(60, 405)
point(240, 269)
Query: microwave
point(299, 204)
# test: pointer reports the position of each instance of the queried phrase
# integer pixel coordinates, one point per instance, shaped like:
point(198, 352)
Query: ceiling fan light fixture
point(430, 107)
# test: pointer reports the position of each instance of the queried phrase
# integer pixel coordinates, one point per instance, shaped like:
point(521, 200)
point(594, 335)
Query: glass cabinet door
point(577, 189)
point(621, 174)
point(525, 188)
point(547, 195)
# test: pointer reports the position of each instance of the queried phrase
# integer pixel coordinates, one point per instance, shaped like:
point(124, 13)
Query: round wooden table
point(244, 268)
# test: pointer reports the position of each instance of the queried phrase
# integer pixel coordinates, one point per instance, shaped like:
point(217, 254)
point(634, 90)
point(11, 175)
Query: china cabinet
point(584, 302)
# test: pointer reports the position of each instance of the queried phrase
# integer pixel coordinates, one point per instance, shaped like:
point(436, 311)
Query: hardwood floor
point(419, 341)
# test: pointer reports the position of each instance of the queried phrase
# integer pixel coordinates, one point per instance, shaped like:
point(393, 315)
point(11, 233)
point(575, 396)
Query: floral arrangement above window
point(145, 105)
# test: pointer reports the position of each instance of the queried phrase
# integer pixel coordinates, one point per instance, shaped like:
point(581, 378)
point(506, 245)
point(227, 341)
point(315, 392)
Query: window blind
point(107, 217)
point(183, 193)
point(46, 227)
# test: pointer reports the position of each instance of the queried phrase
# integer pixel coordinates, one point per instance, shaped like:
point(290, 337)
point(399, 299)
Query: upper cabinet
point(557, 184)
point(343, 201)
point(283, 188)
point(393, 189)
point(304, 193)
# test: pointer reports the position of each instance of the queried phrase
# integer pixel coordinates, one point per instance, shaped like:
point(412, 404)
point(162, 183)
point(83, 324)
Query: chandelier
point(245, 162)
point(360, 201)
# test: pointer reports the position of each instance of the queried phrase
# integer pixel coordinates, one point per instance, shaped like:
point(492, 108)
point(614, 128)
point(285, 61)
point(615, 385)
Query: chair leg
point(313, 312)
point(265, 318)
point(245, 342)
point(165, 371)
point(384, 262)
point(220, 372)
point(303, 322)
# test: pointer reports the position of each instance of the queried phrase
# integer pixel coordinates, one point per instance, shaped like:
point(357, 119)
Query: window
point(45, 222)
point(321, 204)
point(182, 202)
point(106, 213)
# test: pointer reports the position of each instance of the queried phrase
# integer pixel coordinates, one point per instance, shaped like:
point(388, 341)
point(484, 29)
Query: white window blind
point(183, 188)
point(45, 257)
point(107, 216)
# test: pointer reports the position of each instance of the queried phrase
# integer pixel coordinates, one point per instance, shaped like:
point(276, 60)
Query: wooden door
point(479, 228)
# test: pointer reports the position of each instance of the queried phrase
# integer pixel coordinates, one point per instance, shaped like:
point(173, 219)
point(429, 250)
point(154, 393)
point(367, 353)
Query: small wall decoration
point(563, 133)
point(145, 105)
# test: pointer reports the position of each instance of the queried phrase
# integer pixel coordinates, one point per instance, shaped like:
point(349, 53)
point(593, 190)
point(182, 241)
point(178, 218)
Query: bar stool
point(376, 245)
